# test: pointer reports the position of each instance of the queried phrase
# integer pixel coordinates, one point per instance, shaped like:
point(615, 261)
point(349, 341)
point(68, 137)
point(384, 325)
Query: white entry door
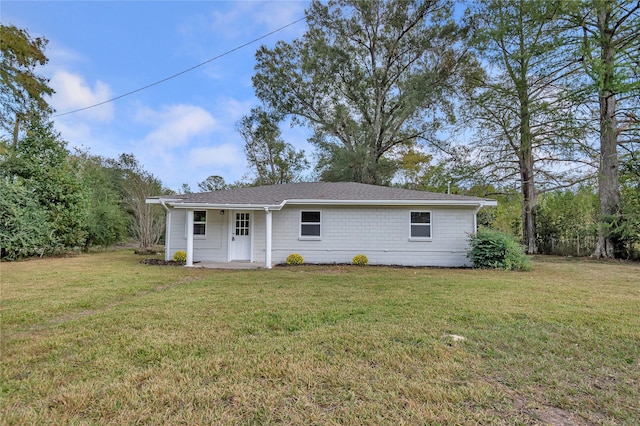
point(241, 236)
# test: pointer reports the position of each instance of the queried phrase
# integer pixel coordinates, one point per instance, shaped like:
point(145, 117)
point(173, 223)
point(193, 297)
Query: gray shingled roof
point(321, 191)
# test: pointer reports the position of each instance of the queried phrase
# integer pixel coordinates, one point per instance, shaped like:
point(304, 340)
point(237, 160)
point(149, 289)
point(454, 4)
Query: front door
point(241, 237)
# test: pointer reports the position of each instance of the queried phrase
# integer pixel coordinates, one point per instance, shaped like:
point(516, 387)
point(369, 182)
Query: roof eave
point(396, 202)
point(222, 206)
point(178, 204)
point(160, 200)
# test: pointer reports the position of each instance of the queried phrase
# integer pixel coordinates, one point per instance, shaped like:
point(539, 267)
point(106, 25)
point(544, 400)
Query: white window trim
point(300, 223)
point(430, 225)
point(206, 226)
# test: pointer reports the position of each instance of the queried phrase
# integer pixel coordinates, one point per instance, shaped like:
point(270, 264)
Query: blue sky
point(182, 130)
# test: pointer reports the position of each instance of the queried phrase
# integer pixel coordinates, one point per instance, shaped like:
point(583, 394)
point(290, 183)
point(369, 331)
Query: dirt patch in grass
point(536, 411)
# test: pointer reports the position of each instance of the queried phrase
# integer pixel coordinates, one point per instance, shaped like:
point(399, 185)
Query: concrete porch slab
point(229, 265)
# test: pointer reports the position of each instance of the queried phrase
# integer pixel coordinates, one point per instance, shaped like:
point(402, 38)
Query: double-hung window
point(200, 223)
point(310, 225)
point(420, 225)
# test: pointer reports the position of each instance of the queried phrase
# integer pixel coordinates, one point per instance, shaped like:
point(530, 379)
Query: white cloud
point(62, 57)
point(221, 156)
point(177, 125)
point(274, 15)
point(233, 110)
point(187, 143)
point(73, 92)
point(256, 17)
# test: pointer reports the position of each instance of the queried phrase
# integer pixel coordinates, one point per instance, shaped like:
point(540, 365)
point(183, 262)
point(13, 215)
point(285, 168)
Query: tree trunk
point(529, 202)
point(527, 183)
point(16, 132)
point(608, 186)
point(608, 183)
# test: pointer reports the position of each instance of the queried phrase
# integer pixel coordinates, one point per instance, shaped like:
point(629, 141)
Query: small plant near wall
point(294, 259)
point(180, 256)
point(360, 260)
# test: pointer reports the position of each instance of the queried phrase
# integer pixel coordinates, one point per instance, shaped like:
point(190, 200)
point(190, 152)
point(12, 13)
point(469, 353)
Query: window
point(310, 225)
point(421, 225)
point(200, 222)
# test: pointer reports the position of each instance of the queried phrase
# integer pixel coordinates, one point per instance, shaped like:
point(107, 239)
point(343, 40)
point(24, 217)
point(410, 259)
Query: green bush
point(180, 256)
point(497, 250)
point(294, 259)
point(360, 260)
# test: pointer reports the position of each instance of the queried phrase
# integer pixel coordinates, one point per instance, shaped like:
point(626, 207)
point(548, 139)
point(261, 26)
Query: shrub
point(497, 250)
point(360, 260)
point(294, 259)
point(180, 256)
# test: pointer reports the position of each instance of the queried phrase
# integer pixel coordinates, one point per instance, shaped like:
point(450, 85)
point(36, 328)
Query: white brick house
point(325, 222)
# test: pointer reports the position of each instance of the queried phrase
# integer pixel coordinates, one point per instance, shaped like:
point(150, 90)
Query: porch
point(228, 265)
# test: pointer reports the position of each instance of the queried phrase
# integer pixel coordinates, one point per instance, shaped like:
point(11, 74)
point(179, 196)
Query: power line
point(181, 72)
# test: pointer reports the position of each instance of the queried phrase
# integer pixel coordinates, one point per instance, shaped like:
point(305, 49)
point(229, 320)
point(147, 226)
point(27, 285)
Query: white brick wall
point(381, 233)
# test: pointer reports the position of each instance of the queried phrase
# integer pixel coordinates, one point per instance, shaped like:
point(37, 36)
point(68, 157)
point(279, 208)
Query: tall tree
point(146, 223)
point(418, 170)
point(21, 90)
point(272, 159)
point(106, 217)
point(610, 46)
point(213, 183)
point(367, 76)
point(42, 165)
point(527, 125)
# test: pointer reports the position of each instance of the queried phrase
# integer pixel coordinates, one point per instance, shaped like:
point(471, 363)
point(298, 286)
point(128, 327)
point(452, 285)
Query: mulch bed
point(161, 262)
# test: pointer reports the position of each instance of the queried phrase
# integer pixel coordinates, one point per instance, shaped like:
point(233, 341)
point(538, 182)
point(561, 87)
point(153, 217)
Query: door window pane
point(242, 224)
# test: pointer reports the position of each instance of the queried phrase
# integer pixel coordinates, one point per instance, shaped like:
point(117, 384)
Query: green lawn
point(103, 339)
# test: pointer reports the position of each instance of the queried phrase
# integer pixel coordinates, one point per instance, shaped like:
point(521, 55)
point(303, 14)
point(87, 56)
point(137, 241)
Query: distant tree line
point(52, 200)
point(532, 102)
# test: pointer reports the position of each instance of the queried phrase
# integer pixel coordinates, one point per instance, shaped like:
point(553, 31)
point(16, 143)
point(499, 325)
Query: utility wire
point(181, 72)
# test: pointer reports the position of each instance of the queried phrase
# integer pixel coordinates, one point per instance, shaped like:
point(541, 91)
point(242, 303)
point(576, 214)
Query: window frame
point(200, 222)
point(302, 224)
point(428, 225)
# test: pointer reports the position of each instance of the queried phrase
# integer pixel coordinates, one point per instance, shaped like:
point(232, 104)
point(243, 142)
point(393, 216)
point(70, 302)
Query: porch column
point(167, 237)
point(267, 248)
point(189, 238)
point(167, 231)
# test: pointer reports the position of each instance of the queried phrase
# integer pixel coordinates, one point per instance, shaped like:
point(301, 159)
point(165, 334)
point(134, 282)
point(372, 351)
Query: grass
point(103, 339)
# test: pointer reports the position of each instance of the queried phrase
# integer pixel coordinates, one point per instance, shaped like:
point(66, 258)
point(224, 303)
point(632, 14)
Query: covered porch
point(243, 234)
point(228, 265)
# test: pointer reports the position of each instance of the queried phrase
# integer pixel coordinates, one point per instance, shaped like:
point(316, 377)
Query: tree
point(417, 170)
point(272, 160)
point(106, 218)
point(146, 222)
point(22, 91)
point(609, 44)
point(185, 188)
point(527, 125)
point(41, 165)
point(24, 229)
point(213, 183)
point(366, 77)
point(628, 231)
point(567, 221)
